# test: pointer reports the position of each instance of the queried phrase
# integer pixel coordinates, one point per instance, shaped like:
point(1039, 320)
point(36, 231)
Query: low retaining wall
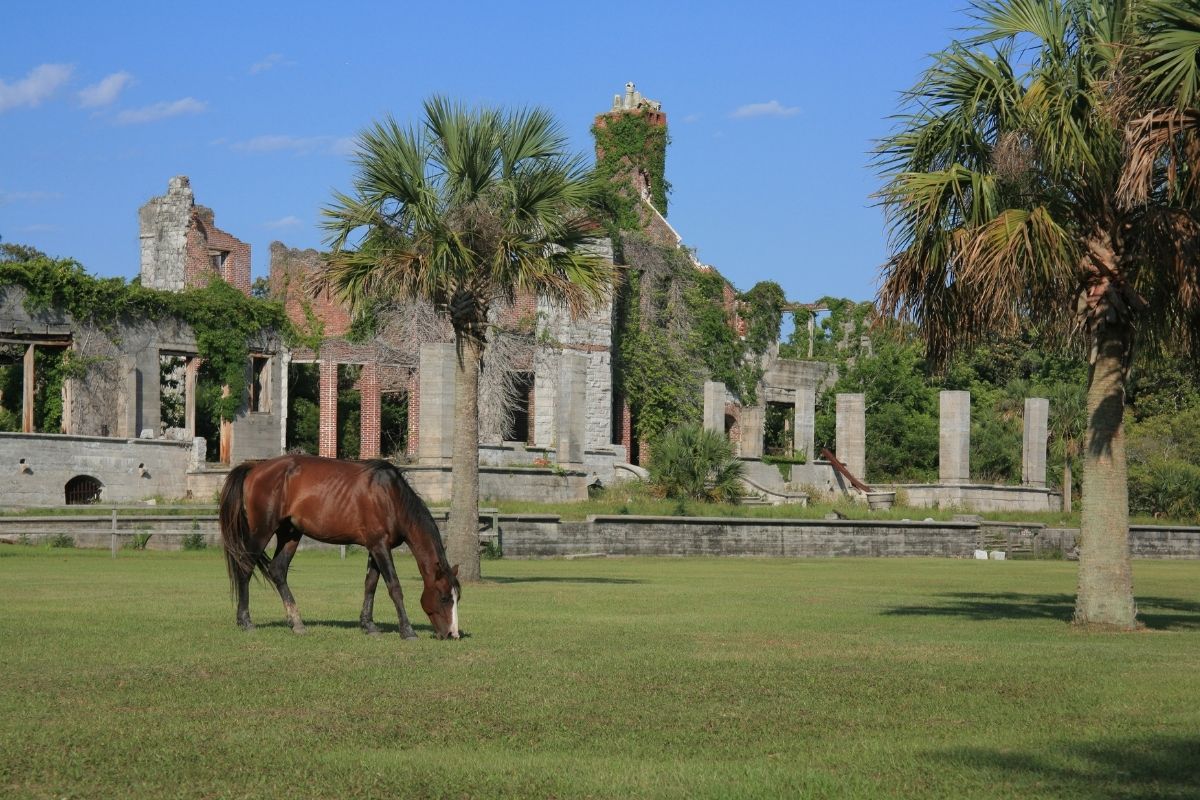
point(977, 497)
point(726, 536)
point(546, 535)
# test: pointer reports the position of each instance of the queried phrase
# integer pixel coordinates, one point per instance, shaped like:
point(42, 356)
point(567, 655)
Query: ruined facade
point(182, 247)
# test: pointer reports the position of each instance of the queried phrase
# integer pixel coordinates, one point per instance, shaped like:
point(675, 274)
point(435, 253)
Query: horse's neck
point(428, 554)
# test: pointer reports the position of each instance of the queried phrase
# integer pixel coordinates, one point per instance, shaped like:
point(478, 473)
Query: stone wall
point(675, 536)
point(179, 240)
point(435, 483)
point(973, 497)
point(129, 470)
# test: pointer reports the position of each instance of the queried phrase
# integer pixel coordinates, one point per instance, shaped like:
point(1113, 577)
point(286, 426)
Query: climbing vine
point(223, 319)
point(630, 142)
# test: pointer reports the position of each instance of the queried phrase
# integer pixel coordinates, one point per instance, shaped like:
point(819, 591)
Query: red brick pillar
point(369, 411)
point(327, 435)
point(414, 411)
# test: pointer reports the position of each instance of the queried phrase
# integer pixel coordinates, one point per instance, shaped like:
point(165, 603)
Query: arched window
point(82, 490)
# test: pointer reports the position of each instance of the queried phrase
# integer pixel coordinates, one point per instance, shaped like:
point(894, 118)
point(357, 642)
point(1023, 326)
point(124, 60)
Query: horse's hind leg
point(383, 560)
point(366, 618)
point(243, 601)
point(278, 572)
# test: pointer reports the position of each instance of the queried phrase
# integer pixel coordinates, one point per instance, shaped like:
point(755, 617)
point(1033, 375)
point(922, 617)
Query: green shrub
point(692, 463)
point(195, 541)
point(62, 540)
point(1165, 487)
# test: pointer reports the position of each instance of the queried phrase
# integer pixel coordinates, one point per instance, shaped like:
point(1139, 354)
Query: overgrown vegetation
point(628, 144)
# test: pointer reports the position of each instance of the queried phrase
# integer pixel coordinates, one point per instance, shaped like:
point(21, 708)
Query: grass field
point(596, 678)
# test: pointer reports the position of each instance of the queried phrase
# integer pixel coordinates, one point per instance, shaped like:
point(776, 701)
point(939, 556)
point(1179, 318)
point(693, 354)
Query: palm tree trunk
point(1105, 593)
point(462, 545)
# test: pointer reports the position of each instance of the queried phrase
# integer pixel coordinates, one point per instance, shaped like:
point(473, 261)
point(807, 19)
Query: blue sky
point(773, 108)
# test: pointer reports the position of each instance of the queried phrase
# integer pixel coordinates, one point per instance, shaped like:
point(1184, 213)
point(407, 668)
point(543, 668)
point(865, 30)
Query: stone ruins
point(129, 428)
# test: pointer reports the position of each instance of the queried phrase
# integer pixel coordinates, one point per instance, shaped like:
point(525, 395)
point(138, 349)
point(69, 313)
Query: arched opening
point(83, 490)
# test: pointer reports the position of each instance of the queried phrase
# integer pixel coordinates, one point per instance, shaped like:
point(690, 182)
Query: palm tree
point(464, 211)
point(1045, 168)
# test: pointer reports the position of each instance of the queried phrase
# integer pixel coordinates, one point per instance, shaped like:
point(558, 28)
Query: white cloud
point(772, 108)
point(41, 82)
point(284, 222)
point(106, 91)
point(297, 145)
point(163, 110)
point(270, 62)
point(27, 197)
point(690, 118)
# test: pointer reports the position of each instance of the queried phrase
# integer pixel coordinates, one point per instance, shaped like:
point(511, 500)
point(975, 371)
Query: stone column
point(714, 406)
point(570, 423)
point(851, 434)
point(1033, 458)
point(129, 400)
point(191, 373)
point(753, 419)
point(954, 438)
point(327, 403)
point(436, 439)
point(805, 436)
point(370, 409)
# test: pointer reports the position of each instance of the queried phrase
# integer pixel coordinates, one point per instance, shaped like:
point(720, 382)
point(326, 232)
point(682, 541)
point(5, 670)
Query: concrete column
point(851, 433)
point(570, 424)
point(327, 403)
point(1033, 458)
point(954, 438)
point(714, 406)
point(436, 445)
point(805, 436)
point(369, 411)
point(226, 443)
point(753, 419)
point(28, 378)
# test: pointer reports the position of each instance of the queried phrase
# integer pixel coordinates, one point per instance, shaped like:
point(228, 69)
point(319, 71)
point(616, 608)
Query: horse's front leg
point(383, 560)
point(278, 572)
point(366, 618)
point(243, 601)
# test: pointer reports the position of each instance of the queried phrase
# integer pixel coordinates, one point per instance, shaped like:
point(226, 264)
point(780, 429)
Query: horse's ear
point(454, 569)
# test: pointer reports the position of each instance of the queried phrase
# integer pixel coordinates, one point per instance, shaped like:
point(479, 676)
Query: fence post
point(343, 549)
point(113, 535)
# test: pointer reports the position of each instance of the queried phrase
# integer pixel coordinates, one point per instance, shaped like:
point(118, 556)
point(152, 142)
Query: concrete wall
point(54, 459)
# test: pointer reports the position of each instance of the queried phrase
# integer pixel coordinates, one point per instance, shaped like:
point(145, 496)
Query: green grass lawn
point(673, 678)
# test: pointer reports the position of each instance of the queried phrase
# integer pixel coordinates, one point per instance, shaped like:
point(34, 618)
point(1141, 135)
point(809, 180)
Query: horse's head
point(440, 601)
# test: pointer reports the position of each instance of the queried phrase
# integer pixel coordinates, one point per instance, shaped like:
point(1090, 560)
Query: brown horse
point(341, 502)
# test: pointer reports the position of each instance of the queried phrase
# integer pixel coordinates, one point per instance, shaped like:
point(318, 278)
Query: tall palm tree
point(1046, 168)
point(465, 210)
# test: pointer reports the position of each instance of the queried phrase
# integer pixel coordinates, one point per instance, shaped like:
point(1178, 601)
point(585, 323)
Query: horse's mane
point(385, 473)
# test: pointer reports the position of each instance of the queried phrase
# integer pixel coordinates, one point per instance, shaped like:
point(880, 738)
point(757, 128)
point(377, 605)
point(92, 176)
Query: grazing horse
point(340, 502)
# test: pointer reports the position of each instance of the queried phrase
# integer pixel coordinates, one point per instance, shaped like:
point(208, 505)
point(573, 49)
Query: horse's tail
point(235, 530)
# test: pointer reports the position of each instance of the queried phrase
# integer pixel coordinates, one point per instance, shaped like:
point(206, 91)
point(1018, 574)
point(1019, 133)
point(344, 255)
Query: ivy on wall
point(223, 319)
point(626, 143)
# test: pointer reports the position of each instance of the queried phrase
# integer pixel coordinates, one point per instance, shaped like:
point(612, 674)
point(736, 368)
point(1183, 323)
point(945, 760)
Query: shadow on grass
point(551, 579)
point(1157, 613)
point(1130, 769)
point(385, 628)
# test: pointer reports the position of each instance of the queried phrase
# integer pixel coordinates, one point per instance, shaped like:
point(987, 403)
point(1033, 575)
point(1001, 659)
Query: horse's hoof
point(408, 634)
point(246, 626)
point(371, 630)
point(300, 629)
